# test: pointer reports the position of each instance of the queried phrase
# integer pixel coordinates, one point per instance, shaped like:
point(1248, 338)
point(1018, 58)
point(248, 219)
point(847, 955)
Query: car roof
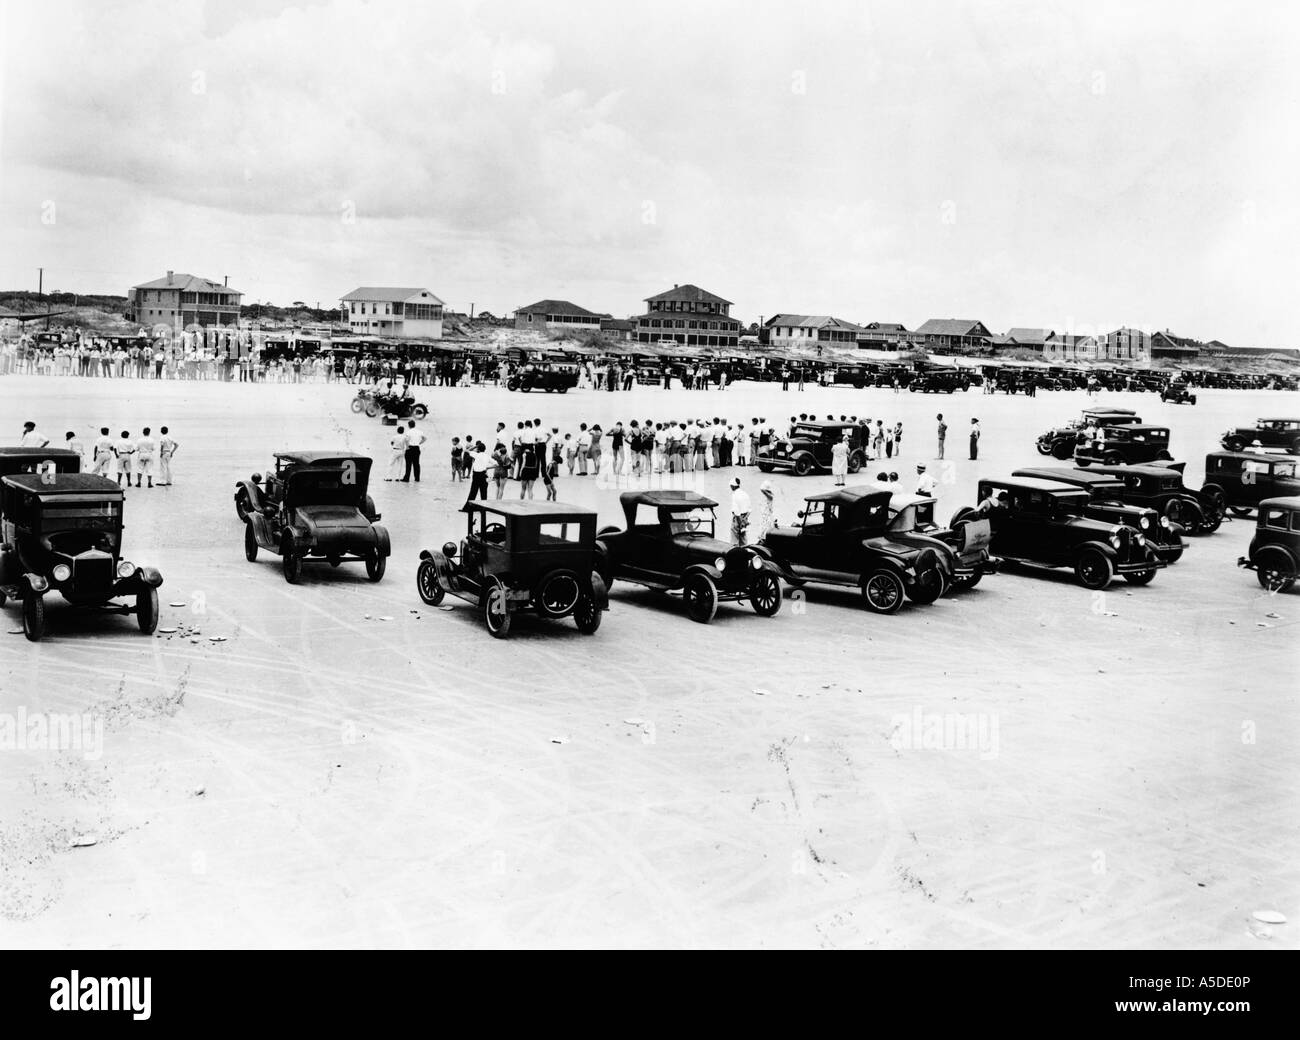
point(526, 508)
point(899, 502)
point(310, 457)
point(1109, 411)
point(670, 499)
point(1285, 502)
point(1052, 487)
point(851, 495)
point(1145, 471)
point(813, 424)
point(1251, 456)
point(1064, 475)
point(38, 453)
point(1278, 418)
point(1145, 426)
point(64, 483)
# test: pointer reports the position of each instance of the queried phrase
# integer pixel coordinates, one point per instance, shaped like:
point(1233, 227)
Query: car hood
point(704, 546)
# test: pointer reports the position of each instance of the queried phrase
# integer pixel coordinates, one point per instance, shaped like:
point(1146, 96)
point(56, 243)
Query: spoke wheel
point(765, 595)
point(426, 583)
point(496, 611)
point(1093, 569)
point(883, 591)
point(701, 598)
point(250, 544)
point(291, 562)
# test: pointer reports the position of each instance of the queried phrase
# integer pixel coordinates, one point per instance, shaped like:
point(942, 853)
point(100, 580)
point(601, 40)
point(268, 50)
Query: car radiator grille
point(92, 573)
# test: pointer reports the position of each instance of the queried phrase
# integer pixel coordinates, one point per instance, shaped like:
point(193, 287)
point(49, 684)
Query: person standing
point(889, 442)
point(166, 449)
point(739, 512)
point(397, 460)
point(480, 463)
point(457, 460)
point(840, 460)
point(925, 482)
point(145, 449)
point(31, 438)
point(73, 443)
point(943, 433)
point(616, 438)
point(529, 469)
point(596, 433)
point(124, 449)
point(414, 439)
point(103, 452)
point(767, 520)
point(584, 449)
point(550, 466)
point(974, 439)
point(898, 438)
point(500, 468)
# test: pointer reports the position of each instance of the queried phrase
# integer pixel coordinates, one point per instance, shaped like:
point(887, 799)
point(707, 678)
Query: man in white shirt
point(739, 512)
point(397, 459)
point(124, 449)
point(414, 439)
point(480, 464)
point(145, 449)
point(925, 482)
point(103, 452)
point(166, 449)
point(73, 443)
point(31, 438)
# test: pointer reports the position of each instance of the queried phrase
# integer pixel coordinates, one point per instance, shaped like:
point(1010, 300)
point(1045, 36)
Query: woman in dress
point(766, 512)
point(529, 468)
point(840, 460)
point(500, 468)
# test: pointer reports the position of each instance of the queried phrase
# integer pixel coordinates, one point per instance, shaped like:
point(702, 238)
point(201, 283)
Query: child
point(551, 470)
point(457, 460)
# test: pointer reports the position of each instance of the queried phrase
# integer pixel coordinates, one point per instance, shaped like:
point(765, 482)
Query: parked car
point(36, 460)
point(1106, 502)
point(1060, 441)
point(315, 508)
point(1045, 523)
point(520, 556)
point(62, 532)
point(1161, 488)
point(963, 550)
point(938, 382)
point(843, 538)
point(1130, 445)
point(1246, 478)
point(670, 543)
point(1269, 433)
point(1177, 393)
point(550, 379)
point(1274, 553)
point(808, 448)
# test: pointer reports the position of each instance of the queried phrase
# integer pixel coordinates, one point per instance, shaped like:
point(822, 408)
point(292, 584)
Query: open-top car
point(1246, 478)
point(843, 538)
point(1060, 441)
point(1106, 502)
point(62, 532)
point(550, 378)
point(516, 556)
point(963, 550)
point(809, 446)
point(670, 543)
point(1124, 445)
point(1161, 488)
point(314, 508)
point(1267, 433)
point(1274, 553)
point(1178, 393)
point(1045, 523)
point(38, 460)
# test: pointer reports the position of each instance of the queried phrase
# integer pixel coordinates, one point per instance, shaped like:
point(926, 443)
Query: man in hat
point(739, 512)
point(925, 482)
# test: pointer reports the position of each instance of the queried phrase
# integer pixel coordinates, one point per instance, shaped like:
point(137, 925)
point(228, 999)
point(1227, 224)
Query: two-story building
point(1125, 345)
point(955, 336)
point(688, 315)
point(884, 335)
point(556, 316)
point(1166, 346)
point(402, 313)
point(799, 330)
point(1065, 346)
point(184, 299)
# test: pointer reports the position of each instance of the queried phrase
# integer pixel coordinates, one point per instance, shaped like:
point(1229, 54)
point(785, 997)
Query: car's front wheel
point(250, 544)
point(33, 616)
point(426, 583)
point(358, 404)
point(701, 598)
point(1275, 570)
point(146, 610)
point(765, 595)
point(289, 557)
point(1093, 569)
point(419, 411)
point(496, 611)
point(1140, 577)
point(803, 465)
point(883, 591)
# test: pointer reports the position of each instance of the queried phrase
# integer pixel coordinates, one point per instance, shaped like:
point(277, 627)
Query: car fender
point(36, 582)
point(707, 569)
point(262, 531)
point(150, 576)
point(383, 544)
point(1105, 548)
point(253, 491)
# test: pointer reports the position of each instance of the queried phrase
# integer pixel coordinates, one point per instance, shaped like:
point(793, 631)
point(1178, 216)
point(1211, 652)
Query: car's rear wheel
point(1240, 512)
point(855, 461)
point(928, 587)
point(290, 560)
point(1093, 569)
point(803, 465)
point(496, 611)
point(33, 616)
point(357, 405)
point(701, 598)
point(1275, 569)
point(883, 591)
point(250, 544)
point(146, 610)
point(765, 595)
point(372, 409)
point(426, 583)
point(419, 411)
point(376, 565)
point(1140, 577)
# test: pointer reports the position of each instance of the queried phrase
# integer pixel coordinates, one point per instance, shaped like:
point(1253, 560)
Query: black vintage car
point(37, 460)
point(1161, 488)
point(314, 508)
point(516, 556)
point(62, 532)
point(1274, 553)
point(1246, 478)
point(1124, 445)
point(1267, 433)
point(1060, 441)
point(670, 543)
point(1178, 393)
point(963, 550)
point(843, 538)
point(550, 378)
point(809, 447)
point(1045, 523)
point(942, 382)
point(1106, 502)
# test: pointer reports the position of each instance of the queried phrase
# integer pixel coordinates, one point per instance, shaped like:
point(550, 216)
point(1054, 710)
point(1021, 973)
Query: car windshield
point(695, 521)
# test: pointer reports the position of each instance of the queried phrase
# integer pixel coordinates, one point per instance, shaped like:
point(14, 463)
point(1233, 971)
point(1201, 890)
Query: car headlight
point(756, 561)
point(1164, 522)
point(125, 569)
point(720, 563)
point(62, 572)
point(1114, 540)
point(1141, 538)
point(1145, 522)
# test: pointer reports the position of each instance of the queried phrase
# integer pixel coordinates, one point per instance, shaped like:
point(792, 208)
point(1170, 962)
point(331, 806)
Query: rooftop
point(692, 293)
point(187, 283)
point(556, 307)
point(390, 294)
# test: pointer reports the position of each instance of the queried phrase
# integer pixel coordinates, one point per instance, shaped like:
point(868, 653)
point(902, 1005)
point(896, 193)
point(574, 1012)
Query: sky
point(1075, 166)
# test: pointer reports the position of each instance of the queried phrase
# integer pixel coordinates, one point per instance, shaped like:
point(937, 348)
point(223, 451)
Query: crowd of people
point(118, 458)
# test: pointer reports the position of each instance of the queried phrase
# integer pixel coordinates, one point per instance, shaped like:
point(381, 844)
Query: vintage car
point(37, 460)
point(938, 382)
point(963, 550)
point(1246, 478)
point(1274, 553)
point(314, 508)
point(1268, 433)
point(62, 532)
point(521, 555)
point(552, 379)
point(1107, 503)
point(669, 543)
point(1045, 523)
point(808, 448)
point(843, 538)
point(1178, 393)
point(1160, 487)
point(1060, 441)
point(1130, 445)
